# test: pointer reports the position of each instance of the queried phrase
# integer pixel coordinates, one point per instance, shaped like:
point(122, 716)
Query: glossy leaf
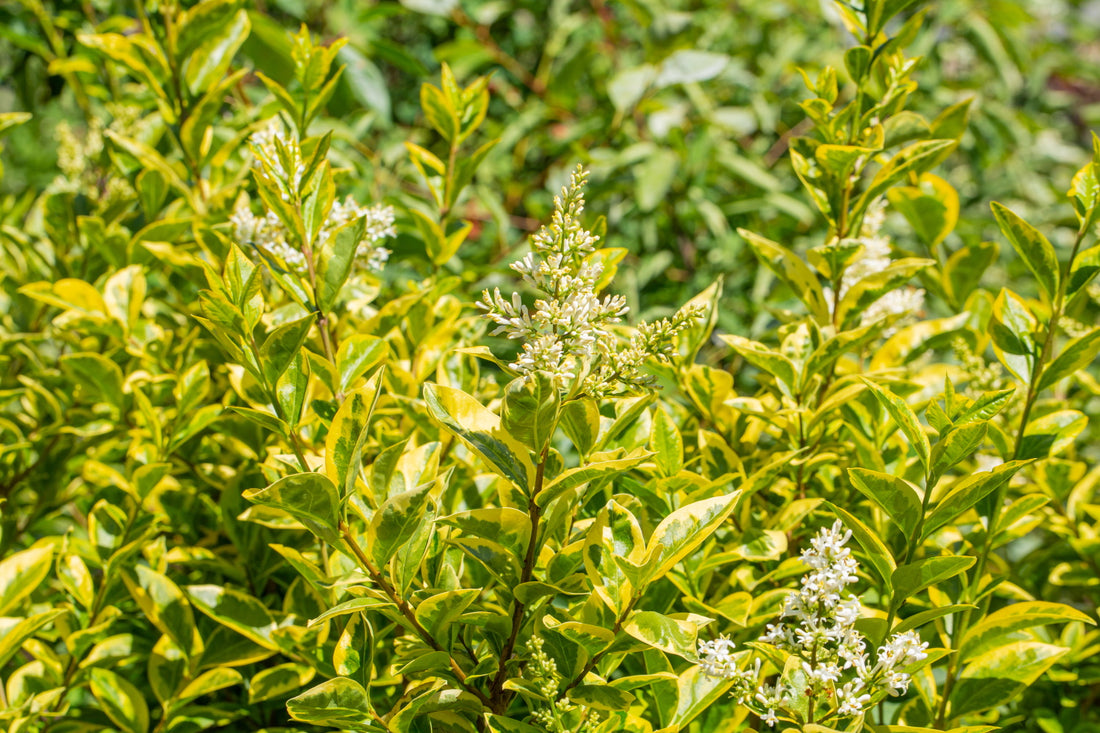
point(311, 498)
point(481, 430)
point(120, 700)
point(896, 496)
point(530, 410)
point(1032, 247)
point(680, 533)
point(340, 702)
point(396, 521)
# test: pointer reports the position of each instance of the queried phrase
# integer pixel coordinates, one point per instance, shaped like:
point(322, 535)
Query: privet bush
point(281, 452)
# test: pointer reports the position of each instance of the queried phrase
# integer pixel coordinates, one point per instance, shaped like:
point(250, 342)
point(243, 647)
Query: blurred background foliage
point(682, 110)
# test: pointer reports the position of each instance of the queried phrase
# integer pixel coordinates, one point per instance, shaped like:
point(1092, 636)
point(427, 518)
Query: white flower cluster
point(81, 159)
point(265, 232)
point(556, 715)
point(279, 159)
point(905, 301)
point(569, 333)
point(279, 155)
point(839, 677)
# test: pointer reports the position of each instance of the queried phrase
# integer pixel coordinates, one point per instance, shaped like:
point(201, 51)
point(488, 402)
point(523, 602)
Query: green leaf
point(167, 669)
point(837, 160)
point(681, 532)
point(1077, 354)
point(905, 419)
point(120, 700)
point(918, 620)
point(347, 435)
point(21, 573)
point(436, 613)
point(653, 178)
point(354, 653)
point(208, 683)
point(580, 419)
point(667, 444)
point(1000, 675)
point(311, 498)
point(957, 444)
point(165, 606)
point(866, 291)
point(1084, 269)
point(1034, 249)
point(1013, 328)
point(11, 641)
point(772, 362)
point(916, 158)
point(1051, 434)
point(396, 521)
point(987, 634)
point(601, 697)
point(696, 692)
point(335, 260)
point(963, 270)
point(357, 354)
point(910, 579)
point(966, 493)
point(281, 346)
point(689, 65)
point(789, 268)
point(355, 605)
point(662, 632)
point(464, 416)
point(235, 610)
point(931, 208)
point(897, 497)
point(587, 472)
point(530, 410)
point(591, 639)
point(211, 59)
point(507, 526)
point(278, 681)
point(340, 702)
point(440, 114)
point(627, 87)
point(615, 533)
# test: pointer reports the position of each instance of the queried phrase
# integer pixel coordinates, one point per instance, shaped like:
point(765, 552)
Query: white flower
point(569, 332)
point(278, 161)
point(906, 301)
point(821, 633)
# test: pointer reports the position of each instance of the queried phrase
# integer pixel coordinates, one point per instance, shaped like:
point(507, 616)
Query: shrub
point(287, 446)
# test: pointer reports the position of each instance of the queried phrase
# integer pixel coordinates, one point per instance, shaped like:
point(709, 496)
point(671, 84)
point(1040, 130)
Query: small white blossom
point(875, 257)
point(840, 678)
point(569, 333)
point(278, 161)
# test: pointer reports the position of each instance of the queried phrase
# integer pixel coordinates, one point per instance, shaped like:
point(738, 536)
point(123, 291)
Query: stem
point(594, 660)
point(496, 689)
point(405, 609)
point(963, 626)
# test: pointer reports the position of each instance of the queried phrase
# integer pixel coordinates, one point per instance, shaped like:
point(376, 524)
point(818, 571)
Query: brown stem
point(497, 694)
point(595, 658)
point(1057, 306)
point(405, 609)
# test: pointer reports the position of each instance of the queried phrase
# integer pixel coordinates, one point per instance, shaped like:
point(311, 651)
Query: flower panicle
point(570, 331)
point(278, 160)
point(839, 674)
